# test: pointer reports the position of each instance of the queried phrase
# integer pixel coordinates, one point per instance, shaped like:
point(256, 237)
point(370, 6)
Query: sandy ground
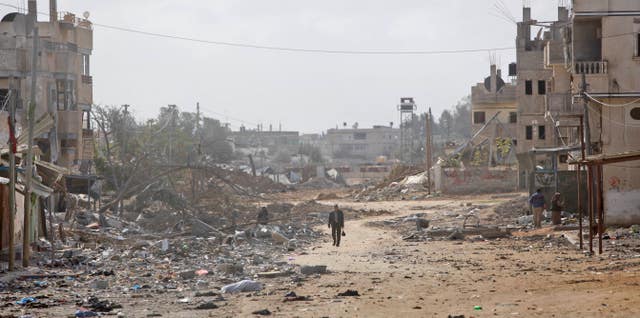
point(529, 275)
point(507, 278)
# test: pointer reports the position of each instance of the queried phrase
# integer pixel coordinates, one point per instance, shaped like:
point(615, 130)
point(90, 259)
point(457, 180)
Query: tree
point(462, 117)
point(446, 122)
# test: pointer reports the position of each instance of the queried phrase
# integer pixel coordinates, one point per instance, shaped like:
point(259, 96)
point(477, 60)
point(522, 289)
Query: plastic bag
point(241, 286)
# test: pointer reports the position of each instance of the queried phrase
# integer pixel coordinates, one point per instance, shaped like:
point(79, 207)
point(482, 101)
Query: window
point(528, 130)
point(563, 158)
point(513, 117)
point(514, 141)
point(359, 136)
point(528, 87)
point(635, 113)
point(85, 65)
point(542, 88)
point(637, 52)
point(478, 117)
point(64, 94)
point(541, 132)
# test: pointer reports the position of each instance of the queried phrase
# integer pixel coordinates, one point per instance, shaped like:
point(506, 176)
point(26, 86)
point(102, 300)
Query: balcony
point(561, 104)
point(591, 67)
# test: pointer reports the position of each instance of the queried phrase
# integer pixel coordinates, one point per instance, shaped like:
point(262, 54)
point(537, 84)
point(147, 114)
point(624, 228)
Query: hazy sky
point(308, 92)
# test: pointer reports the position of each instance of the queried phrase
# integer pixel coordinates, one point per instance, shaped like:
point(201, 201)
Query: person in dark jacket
point(336, 224)
point(538, 204)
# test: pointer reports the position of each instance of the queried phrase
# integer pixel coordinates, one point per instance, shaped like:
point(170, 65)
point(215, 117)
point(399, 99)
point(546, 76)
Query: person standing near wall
point(336, 224)
point(556, 209)
point(537, 203)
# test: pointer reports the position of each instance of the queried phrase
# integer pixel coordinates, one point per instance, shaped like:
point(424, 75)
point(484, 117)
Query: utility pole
point(587, 145)
point(26, 248)
point(12, 176)
point(123, 149)
point(428, 150)
point(587, 131)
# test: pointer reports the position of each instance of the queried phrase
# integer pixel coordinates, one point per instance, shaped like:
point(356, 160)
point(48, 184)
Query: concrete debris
point(311, 270)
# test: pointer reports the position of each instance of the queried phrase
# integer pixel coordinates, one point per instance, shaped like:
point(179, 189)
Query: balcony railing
point(591, 67)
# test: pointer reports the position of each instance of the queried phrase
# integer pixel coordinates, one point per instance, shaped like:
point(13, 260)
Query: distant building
point(272, 140)
point(362, 144)
point(64, 82)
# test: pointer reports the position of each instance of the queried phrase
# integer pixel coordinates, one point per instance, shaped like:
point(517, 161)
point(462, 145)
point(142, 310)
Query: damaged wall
point(475, 180)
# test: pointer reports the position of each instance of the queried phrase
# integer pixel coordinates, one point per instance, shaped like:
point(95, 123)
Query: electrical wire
point(611, 105)
point(287, 49)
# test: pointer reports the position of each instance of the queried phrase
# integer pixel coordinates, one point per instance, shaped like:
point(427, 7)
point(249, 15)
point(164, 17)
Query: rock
point(421, 224)
point(187, 274)
point(456, 235)
point(263, 312)
point(310, 270)
point(525, 219)
point(100, 284)
point(349, 293)
point(207, 305)
point(279, 238)
point(230, 269)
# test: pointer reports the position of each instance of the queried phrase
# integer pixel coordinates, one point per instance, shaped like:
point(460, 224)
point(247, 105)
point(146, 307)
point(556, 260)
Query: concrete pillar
point(526, 14)
point(494, 79)
point(563, 14)
point(32, 10)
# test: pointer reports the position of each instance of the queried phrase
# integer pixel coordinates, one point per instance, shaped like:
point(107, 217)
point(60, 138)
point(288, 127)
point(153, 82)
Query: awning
point(603, 159)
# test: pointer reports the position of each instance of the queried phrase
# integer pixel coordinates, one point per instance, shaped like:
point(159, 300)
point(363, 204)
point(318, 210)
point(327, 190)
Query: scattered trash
point(242, 286)
point(82, 313)
point(477, 307)
point(26, 300)
point(202, 272)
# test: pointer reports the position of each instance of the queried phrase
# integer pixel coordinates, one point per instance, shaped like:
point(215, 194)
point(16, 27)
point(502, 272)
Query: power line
point(612, 105)
point(301, 50)
point(287, 49)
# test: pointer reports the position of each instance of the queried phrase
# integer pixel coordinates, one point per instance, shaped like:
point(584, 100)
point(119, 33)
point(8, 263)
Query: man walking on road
point(336, 224)
point(537, 202)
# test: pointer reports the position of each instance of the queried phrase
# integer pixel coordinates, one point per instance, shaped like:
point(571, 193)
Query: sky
point(307, 92)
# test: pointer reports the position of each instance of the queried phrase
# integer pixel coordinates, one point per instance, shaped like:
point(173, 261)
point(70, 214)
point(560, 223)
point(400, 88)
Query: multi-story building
point(605, 48)
point(363, 144)
point(272, 140)
point(63, 78)
point(532, 83)
point(494, 108)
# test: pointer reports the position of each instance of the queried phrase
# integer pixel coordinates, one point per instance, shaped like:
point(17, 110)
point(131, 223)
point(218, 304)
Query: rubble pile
point(318, 183)
point(402, 183)
point(161, 251)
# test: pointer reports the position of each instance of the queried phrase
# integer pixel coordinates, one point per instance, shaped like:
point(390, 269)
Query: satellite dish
point(86, 14)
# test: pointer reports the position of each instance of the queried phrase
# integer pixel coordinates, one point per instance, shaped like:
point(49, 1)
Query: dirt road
point(528, 276)
point(532, 274)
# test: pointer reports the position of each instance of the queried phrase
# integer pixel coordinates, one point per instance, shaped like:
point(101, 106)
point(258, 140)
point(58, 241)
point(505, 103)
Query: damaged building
point(64, 89)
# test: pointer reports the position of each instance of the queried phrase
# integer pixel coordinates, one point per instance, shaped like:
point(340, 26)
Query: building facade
point(605, 48)
point(362, 144)
point(494, 109)
point(64, 85)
